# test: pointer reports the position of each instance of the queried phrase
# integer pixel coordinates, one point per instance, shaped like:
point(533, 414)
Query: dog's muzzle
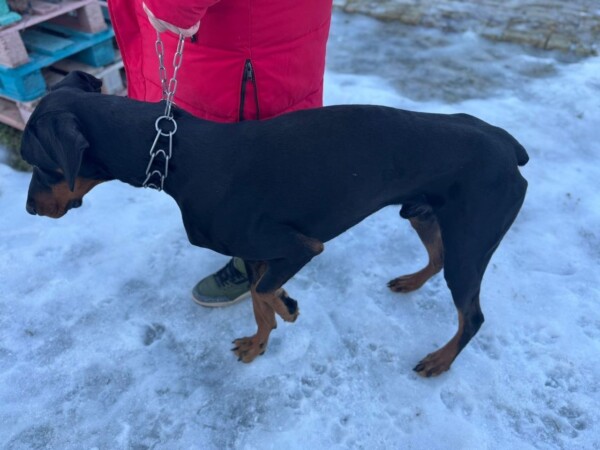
point(32, 209)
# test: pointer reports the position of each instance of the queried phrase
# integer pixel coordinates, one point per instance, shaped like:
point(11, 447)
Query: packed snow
point(101, 346)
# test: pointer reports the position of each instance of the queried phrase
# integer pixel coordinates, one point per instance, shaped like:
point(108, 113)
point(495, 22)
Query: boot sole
point(220, 304)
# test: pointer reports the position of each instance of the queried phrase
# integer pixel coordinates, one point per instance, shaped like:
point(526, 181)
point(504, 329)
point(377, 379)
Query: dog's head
point(54, 144)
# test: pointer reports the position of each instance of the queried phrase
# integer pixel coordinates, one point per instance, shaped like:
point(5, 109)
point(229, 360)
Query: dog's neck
point(122, 145)
point(121, 131)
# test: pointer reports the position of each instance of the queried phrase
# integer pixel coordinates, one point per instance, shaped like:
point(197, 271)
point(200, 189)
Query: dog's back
point(306, 167)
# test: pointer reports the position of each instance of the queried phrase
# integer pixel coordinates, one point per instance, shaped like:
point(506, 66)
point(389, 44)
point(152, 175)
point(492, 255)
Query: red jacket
point(251, 59)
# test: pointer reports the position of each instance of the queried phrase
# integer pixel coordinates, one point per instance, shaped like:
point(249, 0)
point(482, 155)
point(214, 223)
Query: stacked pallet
point(51, 40)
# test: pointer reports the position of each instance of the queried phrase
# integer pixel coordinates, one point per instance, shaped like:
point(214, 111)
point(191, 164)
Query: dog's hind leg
point(470, 239)
point(465, 262)
point(269, 298)
point(423, 220)
point(470, 319)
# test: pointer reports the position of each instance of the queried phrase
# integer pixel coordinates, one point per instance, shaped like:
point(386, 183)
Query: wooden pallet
point(52, 40)
point(49, 43)
point(80, 15)
point(7, 17)
point(16, 113)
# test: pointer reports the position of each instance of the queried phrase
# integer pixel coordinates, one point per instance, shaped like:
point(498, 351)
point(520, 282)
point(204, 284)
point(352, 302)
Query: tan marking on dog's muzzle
point(60, 199)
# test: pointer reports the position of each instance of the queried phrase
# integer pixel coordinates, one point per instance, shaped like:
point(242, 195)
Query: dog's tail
point(521, 153)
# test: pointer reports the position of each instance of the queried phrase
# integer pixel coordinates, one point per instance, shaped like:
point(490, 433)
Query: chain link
point(162, 71)
point(169, 88)
point(168, 94)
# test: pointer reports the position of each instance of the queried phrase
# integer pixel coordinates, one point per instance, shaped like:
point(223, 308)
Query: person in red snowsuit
point(243, 60)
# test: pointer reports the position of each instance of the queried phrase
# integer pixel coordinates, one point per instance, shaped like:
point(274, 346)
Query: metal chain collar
point(168, 94)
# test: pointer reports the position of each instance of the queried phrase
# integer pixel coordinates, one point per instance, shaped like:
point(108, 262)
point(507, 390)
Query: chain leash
point(155, 179)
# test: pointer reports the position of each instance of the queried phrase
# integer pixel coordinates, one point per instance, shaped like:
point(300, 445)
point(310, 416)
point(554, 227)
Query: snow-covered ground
point(101, 346)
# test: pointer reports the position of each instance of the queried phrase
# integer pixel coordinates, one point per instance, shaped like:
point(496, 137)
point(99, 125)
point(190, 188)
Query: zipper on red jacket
point(248, 79)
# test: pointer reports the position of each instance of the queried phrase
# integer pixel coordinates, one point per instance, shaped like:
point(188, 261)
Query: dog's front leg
point(248, 348)
point(265, 306)
point(268, 296)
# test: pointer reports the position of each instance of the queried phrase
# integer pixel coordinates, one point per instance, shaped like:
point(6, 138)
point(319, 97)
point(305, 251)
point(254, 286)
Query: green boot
point(225, 287)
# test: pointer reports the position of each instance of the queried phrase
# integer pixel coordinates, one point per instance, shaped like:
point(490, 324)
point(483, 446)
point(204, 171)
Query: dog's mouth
point(54, 213)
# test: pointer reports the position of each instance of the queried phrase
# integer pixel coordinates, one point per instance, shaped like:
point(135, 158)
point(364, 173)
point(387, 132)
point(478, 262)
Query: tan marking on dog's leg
point(315, 246)
point(431, 236)
point(440, 361)
point(265, 306)
point(248, 348)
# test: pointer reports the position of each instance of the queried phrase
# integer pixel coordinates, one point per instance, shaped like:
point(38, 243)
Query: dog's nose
point(75, 203)
point(30, 207)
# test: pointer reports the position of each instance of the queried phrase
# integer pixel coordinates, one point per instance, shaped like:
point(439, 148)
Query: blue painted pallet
point(46, 44)
point(6, 15)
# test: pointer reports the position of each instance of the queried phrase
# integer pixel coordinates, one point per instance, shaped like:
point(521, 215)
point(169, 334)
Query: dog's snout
point(75, 203)
point(30, 207)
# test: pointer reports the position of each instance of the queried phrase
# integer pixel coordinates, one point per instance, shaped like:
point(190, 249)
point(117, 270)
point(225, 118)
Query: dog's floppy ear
point(32, 150)
point(59, 138)
point(79, 80)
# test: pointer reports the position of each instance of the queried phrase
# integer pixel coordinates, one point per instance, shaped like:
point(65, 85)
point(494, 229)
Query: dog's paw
point(248, 348)
point(407, 283)
point(435, 363)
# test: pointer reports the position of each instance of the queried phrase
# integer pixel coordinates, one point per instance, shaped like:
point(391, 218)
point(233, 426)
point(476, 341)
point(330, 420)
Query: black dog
point(272, 192)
